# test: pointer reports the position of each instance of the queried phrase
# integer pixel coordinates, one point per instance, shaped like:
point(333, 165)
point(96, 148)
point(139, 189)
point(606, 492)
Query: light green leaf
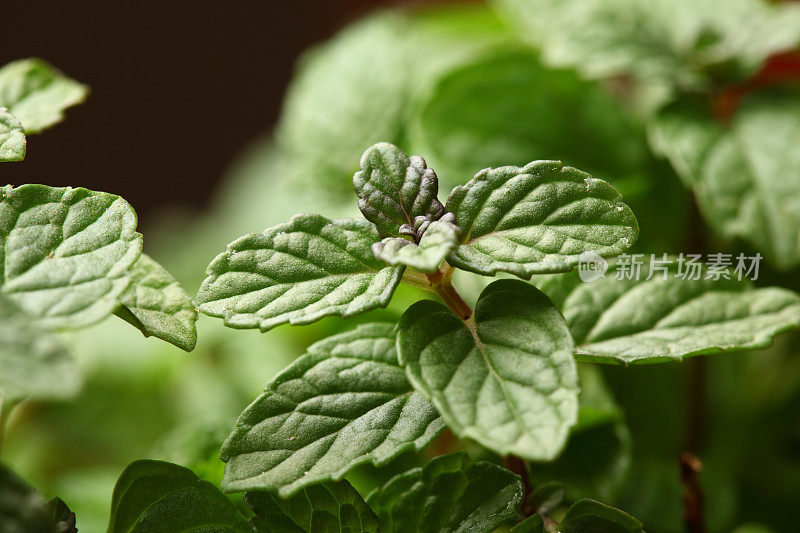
point(33, 362)
point(746, 174)
point(450, 493)
point(37, 94)
point(536, 219)
point(344, 403)
point(159, 306)
point(154, 496)
point(590, 515)
point(506, 378)
point(65, 252)
point(438, 240)
point(298, 272)
point(394, 190)
point(628, 321)
point(21, 508)
point(330, 507)
point(12, 138)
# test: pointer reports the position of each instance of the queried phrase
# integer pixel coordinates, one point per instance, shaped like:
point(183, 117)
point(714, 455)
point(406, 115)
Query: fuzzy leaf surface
point(12, 137)
point(536, 219)
point(646, 321)
point(335, 507)
point(439, 239)
point(746, 174)
point(156, 496)
point(344, 403)
point(450, 493)
point(298, 272)
point(37, 93)
point(394, 189)
point(33, 362)
point(508, 380)
point(159, 304)
point(65, 252)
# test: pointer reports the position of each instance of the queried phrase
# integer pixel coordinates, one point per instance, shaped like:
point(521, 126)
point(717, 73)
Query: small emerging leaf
point(646, 321)
point(158, 496)
point(450, 493)
point(298, 272)
point(590, 515)
point(33, 362)
point(328, 507)
point(394, 189)
point(37, 94)
point(63, 519)
point(507, 380)
point(439, 239)
point(159, 305)
point(12, 137)
point(344, 403)
point(65, 252)
point(537, 219)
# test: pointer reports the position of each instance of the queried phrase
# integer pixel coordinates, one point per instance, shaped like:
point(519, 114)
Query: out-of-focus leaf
point(155, 496)
point(346, 402)
point(298, 272)
point(515, 394)
point(666, 317)
point(12, 137)
point(532, 524)
point(746, 174)
point(63, 519)
point(450, 493)
point(33, 362)
point(536, 219)
point(589, 515)
point(326, 507)
point(21, 508)
point(37, 94)
point(159, 305)
point(65, 252)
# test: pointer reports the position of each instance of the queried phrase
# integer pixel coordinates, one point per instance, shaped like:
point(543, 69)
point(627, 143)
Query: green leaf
point(12, 137)
point(327, 507)
point(65, 252)
point(438, 240)
point(590, 515)
point(62, 517)
point(506, 378)
point(395, 189)
point(298, 272)
point(646, 321)
point(344, 403)
point(153, 496)
point(746, 174)
point(536, 219)
point(21, 508)
point(159, 305)
point(450, 493)
point(532, 524)
point(33, 362)
point(37, 94)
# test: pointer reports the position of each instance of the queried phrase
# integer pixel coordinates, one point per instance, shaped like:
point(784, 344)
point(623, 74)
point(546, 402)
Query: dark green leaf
point(65, 252)
point(591, 516)
point(532, 524)
point(346, 402)
point(450, 493)
point(159, 305)
point(329, 507)
point(646, 321)
point(536, 219)
point(155, 496)
point(12, 138)
point(505, 378)
point(396, 190)
point(298, 272)
point(37, 94)
point(22, 510)
point(62, 517)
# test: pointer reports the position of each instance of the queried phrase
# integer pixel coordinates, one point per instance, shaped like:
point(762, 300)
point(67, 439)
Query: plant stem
point(520, 467)
point(6, 406)
point(693, 495)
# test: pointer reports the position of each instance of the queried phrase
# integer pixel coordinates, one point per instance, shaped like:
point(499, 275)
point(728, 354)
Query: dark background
point(178, 87)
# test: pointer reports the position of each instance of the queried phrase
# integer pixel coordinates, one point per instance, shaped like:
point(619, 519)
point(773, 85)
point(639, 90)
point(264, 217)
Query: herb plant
point(529, 402)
